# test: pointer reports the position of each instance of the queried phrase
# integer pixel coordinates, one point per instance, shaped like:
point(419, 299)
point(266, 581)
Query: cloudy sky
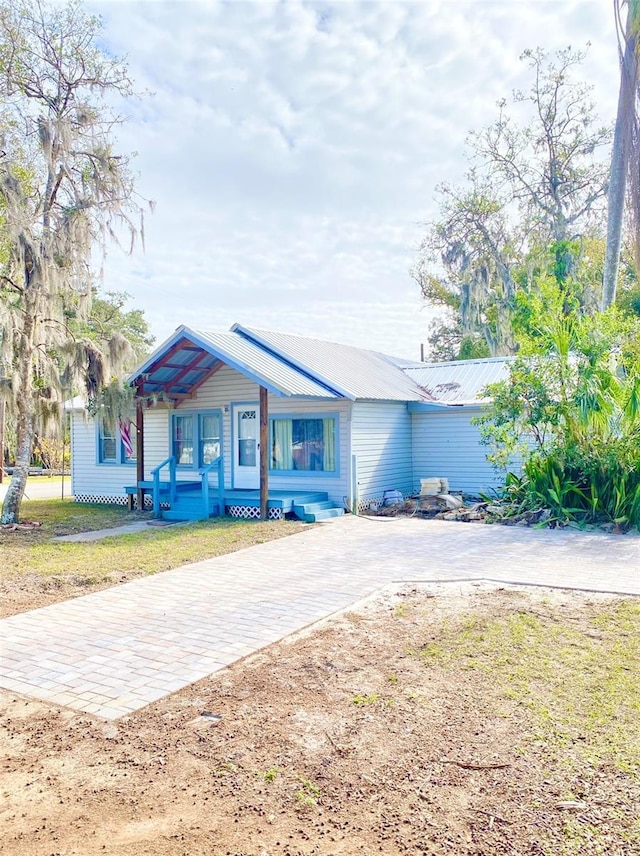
point(293, 149)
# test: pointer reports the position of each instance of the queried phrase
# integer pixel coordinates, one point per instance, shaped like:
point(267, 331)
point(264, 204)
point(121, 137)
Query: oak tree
point(534, 191)
point(64, 192)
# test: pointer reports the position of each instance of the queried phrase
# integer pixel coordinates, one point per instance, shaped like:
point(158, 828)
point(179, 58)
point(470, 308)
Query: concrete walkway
point(115, 531)
point(115, 651)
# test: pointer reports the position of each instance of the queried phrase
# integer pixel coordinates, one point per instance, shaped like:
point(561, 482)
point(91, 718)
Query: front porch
point(217, 389)
point(185, 501)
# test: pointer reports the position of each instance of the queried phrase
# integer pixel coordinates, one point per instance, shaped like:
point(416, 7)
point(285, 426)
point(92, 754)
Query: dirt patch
point(372, 734)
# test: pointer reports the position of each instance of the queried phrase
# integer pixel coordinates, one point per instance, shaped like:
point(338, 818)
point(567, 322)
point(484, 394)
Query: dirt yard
point(450, 720)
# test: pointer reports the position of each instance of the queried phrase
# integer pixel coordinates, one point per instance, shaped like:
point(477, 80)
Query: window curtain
point(209, 438)
point(183, 439)
point(329, 435)
point(282, 444)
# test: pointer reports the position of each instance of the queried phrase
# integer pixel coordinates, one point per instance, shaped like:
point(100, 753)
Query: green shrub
point(571, 407)
point(585, 486)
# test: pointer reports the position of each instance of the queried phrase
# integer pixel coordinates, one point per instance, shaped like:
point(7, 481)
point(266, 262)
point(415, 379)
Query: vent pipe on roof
point(421, 352)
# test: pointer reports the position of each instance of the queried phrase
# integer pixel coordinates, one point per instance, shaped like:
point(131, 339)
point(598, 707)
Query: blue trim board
point(235, 364)
point(160, 350)
point(193, 338)
point(431, 406)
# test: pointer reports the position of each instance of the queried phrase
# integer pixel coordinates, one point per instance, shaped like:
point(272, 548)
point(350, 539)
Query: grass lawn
point(581, 685)
point(574, 678)
point(32, 560)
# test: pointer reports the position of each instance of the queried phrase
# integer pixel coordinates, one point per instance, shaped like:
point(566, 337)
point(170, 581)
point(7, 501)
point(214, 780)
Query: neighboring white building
point(344, 426)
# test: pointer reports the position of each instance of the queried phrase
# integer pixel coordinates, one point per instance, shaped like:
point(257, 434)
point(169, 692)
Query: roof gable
point(298, 366)
point(188, 357)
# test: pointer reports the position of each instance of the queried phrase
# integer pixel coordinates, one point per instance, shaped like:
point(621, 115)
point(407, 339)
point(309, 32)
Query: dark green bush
point(594, 485)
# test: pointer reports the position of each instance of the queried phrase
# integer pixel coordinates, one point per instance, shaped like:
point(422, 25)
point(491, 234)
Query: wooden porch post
point(139, 445)
point(264, 453)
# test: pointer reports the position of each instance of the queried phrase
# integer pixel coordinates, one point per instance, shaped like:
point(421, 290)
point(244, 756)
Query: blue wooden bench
point(132, 491)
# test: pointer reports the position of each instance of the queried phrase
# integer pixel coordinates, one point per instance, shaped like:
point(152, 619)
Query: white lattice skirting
point(252, 512)
point(112, 500)
point(246, 512)
point(370, 504)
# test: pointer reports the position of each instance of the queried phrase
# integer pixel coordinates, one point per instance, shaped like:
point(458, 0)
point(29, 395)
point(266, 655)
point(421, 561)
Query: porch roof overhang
point(184, 361)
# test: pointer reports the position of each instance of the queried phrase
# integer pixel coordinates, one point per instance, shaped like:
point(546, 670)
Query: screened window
point(303, 444)
point(183, 439)
point(209, 438)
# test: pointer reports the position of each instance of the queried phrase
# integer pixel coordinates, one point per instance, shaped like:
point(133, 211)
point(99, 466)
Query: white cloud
point(293, 149)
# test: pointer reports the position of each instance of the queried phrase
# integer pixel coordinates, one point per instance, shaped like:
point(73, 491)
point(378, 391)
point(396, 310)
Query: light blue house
point(253, 422)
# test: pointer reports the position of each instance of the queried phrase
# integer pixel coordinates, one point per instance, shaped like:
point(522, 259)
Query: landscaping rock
point(440, 501)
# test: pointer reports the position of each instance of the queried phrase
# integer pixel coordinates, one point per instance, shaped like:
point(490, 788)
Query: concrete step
point(188, 487)
point(171, 514)
point(193, 501)
point(312, 496)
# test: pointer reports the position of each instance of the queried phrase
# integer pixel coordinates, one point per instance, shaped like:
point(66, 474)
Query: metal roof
point(353, 372)
point(461, 382)
point(267, 367)
point(188, 357)
point(298, 366)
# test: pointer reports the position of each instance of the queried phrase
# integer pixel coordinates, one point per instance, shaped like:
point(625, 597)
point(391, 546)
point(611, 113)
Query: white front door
point(246, 451)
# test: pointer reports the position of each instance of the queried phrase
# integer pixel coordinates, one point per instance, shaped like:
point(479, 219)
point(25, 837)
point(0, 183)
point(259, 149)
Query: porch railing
point(215, 464)
point(155, 472)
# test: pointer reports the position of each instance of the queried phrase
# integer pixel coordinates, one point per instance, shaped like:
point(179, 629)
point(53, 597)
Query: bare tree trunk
point(2, 424)
point(619, 163)
point(15, 492)
point(615, 200)
point(25, 418)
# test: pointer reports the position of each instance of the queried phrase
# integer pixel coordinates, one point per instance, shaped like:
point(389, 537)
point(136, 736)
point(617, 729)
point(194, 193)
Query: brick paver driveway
point(114, 651)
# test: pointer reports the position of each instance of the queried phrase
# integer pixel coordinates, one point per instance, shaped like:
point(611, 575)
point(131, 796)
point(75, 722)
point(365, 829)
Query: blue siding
point(381, 442)
point(446, 444)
